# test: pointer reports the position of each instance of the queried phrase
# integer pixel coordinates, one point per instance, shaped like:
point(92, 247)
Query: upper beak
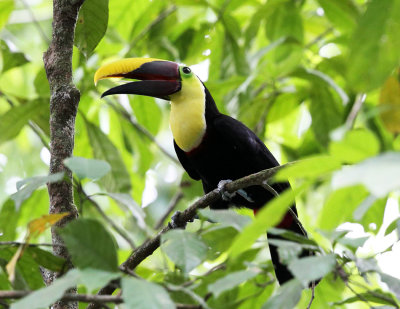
point(158, 78)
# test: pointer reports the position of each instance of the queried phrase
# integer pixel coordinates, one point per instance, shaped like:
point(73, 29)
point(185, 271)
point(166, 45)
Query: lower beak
point(158, 78)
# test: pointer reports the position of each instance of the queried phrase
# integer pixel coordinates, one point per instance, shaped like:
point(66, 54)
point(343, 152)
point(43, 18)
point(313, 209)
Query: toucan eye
point(186, 70)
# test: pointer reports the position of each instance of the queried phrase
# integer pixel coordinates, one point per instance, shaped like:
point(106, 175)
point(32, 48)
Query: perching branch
point(63, 108)
point(68, 297)
point(147, 248)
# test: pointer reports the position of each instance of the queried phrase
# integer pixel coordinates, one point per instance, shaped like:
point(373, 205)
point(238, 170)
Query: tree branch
point(148, 247)
point(68, 297)
point(63, 108)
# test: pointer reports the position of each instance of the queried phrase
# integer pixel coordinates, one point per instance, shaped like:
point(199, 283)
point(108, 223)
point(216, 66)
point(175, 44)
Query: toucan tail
point(288, 222)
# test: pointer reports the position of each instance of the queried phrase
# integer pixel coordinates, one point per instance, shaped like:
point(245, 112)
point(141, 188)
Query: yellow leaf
point(10, 267)
point(389, 102)
point(39, 225)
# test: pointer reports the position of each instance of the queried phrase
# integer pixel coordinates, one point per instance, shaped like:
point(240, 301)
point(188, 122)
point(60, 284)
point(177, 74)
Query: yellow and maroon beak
point(158, 78)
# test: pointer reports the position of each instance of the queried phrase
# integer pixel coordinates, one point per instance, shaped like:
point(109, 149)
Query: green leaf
point(392, 226)
point(94, 279)
point(267, 217)
point(118, 180)
point(91, 25)
point(11, 59)
point(287, 296)
point(325, 112)
point(6, 7)
point(342, 13)
point(27, 186)
point(392, 282)
point(46, 259)
point(356, 146)
point(312, 268)
point(147, 113)
point(230, 281)
point(353, 243)
point(311, 167)
point(375, 296)
point(8, 221)
point(226, 218)
point(378, 174)
point(90, 245)
point(340, 206)
point(141, 294)
point(374, 46)
point(185, 249)
point(15, 118)
point(87, 168)
point(91, 278)
point(127, 201)
point(48, 295)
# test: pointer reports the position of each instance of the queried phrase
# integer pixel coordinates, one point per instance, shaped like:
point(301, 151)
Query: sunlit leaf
point(378, 174)
point(389, 102)
point(343, 13)
point(14, 119)
point(145, 295)
point(185, 249)
point(27, 186)
point(87, 168)
point(230, 281)
point(118, 180)
point(6, 7)
point(312, 268)
point(91, 25)
point(38, 226)
point(90, 245)
point(374, 45)
point(287, 296)
point(11, 59)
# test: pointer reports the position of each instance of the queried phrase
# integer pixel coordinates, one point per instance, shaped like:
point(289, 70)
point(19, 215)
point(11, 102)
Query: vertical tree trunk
point(63, 108)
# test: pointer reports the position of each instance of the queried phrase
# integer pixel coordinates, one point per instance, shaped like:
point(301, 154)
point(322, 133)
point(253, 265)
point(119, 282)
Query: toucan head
point(156, 78)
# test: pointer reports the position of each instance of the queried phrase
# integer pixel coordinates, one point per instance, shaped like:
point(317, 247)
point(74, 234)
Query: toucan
point(212, 147)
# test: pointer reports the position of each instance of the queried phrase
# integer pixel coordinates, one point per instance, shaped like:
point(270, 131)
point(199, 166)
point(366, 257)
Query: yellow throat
point(187, 118)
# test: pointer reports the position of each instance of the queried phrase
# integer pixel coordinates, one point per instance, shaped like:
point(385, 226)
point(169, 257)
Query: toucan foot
point(226, 196)
point(176, 221)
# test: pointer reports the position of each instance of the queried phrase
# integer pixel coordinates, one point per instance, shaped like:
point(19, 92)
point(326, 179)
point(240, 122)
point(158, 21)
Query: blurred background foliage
point(315, 79)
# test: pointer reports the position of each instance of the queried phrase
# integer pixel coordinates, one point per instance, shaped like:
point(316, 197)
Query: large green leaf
point(91, 25)
point(185, 249)
point(27, 186)
point(90, 168)
point(11, 59)
point(8, 220)
point(118, 180)
point(375, 45)
point(312, 268)
point(90, 245)
point(287, 296)
point(6, 7)
point(378, 174)
point(230, 281)
point(141, 294)
point(342, 13)
point(14, 119)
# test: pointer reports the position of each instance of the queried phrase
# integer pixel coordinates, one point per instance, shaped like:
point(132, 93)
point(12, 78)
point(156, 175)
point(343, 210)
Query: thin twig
point(86, 298)
point(319, 37)
point(121, 110)
point(20, 243)
point(312, 295)
point(175, 200)
point(360, 98)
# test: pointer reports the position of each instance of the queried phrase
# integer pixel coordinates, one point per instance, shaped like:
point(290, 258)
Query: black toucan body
point(210, 146)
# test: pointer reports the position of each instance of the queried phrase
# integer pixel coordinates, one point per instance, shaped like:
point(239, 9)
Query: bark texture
point(63, 108)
